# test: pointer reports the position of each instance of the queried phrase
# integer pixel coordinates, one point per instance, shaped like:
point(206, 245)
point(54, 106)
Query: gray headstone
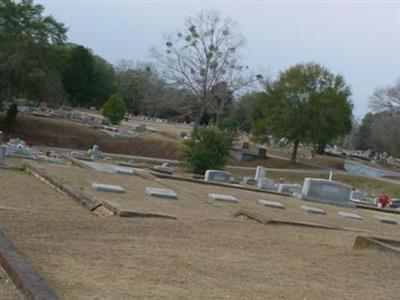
point(164, 169)
point(313, 210)
point(161, 193)
point(357, 196)
point(3, 151)
point(266, 184)
point(290, 188)
point(95, 153)
point(385, 220)
point(249, 181)
point(325, 191)
point(140, 128)
point(273, 204)
point(218, 176)
point(350, 215)
point(261, 151)
point(124, 170)
point(108, 188)
point(1, 137)
point(222, 197)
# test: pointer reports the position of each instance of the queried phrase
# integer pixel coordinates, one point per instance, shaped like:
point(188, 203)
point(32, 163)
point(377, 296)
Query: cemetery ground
point(204, 253)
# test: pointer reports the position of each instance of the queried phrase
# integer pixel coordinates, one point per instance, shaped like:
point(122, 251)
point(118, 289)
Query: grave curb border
point(24, 276)
point(362, 242)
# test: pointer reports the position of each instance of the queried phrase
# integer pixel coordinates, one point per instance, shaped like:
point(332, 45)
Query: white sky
point(358, 39)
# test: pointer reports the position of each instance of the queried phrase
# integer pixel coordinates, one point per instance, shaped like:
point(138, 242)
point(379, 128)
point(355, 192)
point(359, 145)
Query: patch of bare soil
point(73, 135)
point(84, 256)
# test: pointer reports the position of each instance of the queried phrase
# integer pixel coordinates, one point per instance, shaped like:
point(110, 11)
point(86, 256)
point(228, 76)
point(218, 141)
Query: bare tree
point(387, 98)
point(201, 56)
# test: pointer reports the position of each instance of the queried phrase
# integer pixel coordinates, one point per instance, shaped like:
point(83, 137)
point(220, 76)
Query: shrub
point(114, 109)
point(11, 117)
point(207, 148)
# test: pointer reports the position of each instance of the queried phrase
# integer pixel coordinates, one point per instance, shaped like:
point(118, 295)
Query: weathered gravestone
point(290, 188)
point(266, 184)
point(222, 197)
point(218, 176)
point(124, 170)
point(1, 137)
point(3, 151)
point(313, 210)
point(260, 173)
point(261, 151)
point(386, 220)
point(140, 128)
point(350, 215)
point(357, 196)
point(273, 204)
point(325, 191)
point(246, 146)
point(108, 187)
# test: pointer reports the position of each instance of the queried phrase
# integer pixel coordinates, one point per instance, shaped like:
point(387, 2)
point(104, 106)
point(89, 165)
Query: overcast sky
point(358, 39)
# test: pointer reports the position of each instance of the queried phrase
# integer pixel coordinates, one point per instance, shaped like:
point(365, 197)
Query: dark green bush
point(114, 109)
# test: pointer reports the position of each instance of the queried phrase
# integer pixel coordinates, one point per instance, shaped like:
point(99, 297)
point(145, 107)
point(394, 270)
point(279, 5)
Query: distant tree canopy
point(386, 98)
point(27, 42)
point(306, 104)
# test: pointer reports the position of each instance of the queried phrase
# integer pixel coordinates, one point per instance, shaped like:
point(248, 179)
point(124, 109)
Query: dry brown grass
point(205, 256)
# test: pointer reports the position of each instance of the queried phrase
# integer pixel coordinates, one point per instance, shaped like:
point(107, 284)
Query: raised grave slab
point(223, 198)
point(350, 215)
point(163, 169)
point(273, 204)
point(107, 188)
point(290, 188)
point(161, 193)
point(386, 220)
point(266, 184)
point(124, 170)
point(313, 210)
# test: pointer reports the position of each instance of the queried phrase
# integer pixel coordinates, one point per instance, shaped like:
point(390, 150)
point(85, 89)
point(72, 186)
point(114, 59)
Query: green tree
point(306, 104)
point(207, 148)
point(27, 40)
point(114, 109)
point(11, 117)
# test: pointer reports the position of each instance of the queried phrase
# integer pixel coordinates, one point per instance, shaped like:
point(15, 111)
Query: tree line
point(197, 75)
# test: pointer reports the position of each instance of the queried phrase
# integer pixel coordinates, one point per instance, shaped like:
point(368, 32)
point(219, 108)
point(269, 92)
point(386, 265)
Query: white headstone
point(95, 152)
point(325, 191)
point(1, 137)
point(124, 170)
point(313, 210)
point(108, 187)
point(3, 151)
point(357, 196)
point(266, 184)
point(161, 192)
point(222, 197)
point(273, 204)
point(350, 215)
point(261, 172)
point(218, 176)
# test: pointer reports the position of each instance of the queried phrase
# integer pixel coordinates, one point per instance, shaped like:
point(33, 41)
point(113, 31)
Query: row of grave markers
point(170, 194)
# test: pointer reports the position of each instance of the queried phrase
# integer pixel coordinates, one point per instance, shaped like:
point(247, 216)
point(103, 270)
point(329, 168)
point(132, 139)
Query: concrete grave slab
point(164, 169)
point(222, 197)
point(350, 215)
point(385, 220)
point(266, 184)
point(273, 204)
point(108, 187)
point(161, 193)
point(313, 210)
point(290, 188)
point(124, 170)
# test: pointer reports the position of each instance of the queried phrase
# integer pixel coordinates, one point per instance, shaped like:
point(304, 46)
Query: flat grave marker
point(124, 170)
point(108, 188)
point(223, 198)
point(272, 204)
point(161, 193)
point(218, 176)
point(350, 215)
point(385, 220)
point(313, 210)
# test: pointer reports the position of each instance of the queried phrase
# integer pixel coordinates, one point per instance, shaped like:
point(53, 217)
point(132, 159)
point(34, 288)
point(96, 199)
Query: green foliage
point(27, 41)
point(11, 116)
point(207, 148)
point(306, 104)
point(114, 109)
